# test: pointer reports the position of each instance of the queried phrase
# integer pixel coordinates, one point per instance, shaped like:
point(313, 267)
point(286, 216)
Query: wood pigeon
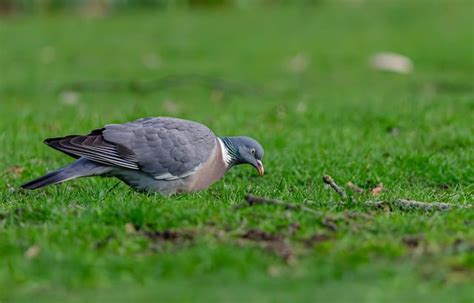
point(161, 154)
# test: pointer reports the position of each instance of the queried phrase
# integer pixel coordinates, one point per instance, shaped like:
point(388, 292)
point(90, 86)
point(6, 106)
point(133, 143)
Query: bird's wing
point(95, 148)
point(166, 148)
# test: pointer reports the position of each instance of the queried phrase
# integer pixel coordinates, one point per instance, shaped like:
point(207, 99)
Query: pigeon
point(163, 155)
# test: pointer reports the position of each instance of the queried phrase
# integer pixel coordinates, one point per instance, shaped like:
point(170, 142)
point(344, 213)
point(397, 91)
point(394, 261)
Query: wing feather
point(94, 148)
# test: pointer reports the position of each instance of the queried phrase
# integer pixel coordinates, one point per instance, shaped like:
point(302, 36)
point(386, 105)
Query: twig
point(330, 224)
point(412, 204)
point(354, 187)
point(254, 200)
point(330, 181)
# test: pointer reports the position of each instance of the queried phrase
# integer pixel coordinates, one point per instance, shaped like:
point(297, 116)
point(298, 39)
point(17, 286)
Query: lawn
point(295, 78)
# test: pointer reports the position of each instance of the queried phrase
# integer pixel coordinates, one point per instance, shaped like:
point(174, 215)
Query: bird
point(164, 155)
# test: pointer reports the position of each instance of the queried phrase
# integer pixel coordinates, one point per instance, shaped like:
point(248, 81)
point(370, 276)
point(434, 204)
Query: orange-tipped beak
point(260, 169)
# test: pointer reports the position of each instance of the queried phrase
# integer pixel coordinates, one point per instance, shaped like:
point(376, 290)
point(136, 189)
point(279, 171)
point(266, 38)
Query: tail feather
point(54, 177)
point(80, 168)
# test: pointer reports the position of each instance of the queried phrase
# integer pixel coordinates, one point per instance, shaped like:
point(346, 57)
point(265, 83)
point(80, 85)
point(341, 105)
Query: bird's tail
point(80, 168)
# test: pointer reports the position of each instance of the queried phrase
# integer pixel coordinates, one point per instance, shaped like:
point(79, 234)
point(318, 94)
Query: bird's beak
point(260, 168)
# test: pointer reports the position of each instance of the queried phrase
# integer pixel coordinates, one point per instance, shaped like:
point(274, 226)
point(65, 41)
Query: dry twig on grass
point(339, 190)
point(355, 187)
point(254, 200)
point(411, 204)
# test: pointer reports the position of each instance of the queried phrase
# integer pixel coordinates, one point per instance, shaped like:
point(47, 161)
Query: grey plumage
point(77, 169)
point(166, 155)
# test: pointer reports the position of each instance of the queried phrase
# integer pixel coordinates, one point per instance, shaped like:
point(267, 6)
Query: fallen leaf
point(376, 191)
point(32, 252)
point(391, 62)
point(16, 170)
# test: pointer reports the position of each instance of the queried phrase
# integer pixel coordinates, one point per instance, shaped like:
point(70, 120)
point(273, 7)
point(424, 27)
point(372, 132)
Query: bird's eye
point(252, 151)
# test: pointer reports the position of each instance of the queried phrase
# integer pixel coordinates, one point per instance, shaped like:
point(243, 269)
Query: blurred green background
point(105, 6)
point(371, 92)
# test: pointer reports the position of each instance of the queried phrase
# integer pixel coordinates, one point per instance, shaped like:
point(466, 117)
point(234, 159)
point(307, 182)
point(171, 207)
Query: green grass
point(337, 116)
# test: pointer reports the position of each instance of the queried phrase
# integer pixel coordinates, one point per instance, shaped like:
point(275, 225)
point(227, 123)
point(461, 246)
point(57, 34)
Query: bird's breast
point(210, 171)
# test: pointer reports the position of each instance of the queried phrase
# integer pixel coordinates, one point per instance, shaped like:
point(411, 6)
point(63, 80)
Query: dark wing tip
point(55, 143)
point(94, 148)
point(52, 141)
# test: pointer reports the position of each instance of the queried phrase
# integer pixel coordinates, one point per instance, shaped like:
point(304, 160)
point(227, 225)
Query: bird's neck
point(230, 153)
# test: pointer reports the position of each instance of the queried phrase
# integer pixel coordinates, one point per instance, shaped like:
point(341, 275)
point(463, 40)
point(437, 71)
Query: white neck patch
point(226, 158)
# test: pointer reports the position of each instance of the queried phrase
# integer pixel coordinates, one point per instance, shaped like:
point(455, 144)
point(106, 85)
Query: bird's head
point(244, 150)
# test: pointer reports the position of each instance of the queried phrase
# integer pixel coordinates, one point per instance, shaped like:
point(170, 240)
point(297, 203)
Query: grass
point(297, 79)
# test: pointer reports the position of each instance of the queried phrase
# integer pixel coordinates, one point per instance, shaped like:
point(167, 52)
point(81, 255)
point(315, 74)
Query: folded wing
point(166, 148)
